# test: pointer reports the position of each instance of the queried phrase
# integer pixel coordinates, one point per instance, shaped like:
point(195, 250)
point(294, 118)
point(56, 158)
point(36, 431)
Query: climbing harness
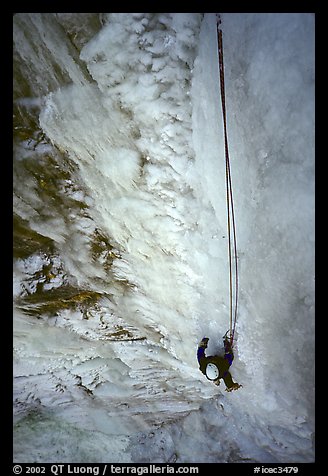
point(232, 243)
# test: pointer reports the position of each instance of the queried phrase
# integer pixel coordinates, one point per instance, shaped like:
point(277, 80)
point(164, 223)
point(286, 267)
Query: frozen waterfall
point(120, 238)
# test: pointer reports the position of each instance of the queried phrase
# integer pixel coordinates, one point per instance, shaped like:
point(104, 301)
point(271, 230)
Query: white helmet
point(212, 372)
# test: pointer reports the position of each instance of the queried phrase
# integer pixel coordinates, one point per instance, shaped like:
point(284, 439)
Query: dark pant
point(227, 379)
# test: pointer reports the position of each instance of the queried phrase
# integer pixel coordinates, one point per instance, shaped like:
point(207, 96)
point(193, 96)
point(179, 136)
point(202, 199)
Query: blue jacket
point(227, 356)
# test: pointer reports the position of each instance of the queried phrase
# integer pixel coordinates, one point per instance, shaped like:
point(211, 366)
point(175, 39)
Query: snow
point(143, 126)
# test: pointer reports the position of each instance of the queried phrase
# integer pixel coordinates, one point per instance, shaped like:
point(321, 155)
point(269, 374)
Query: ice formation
point(120, 202)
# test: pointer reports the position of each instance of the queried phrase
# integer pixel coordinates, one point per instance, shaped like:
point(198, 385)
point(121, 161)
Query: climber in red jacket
point(216, 367)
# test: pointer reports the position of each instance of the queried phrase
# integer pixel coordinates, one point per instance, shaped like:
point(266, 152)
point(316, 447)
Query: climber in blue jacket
point(215, 367)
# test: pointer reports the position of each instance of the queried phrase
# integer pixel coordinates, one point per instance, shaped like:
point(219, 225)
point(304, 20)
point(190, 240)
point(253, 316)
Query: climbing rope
point(232, 243)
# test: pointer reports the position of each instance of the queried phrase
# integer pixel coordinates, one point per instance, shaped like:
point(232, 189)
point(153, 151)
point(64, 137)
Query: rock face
point(120, 248)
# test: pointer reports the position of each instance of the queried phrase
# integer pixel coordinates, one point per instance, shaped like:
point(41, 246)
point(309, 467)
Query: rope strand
point(232, 242)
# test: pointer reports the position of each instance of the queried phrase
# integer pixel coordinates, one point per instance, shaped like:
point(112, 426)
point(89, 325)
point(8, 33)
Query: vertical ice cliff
point(120, 236)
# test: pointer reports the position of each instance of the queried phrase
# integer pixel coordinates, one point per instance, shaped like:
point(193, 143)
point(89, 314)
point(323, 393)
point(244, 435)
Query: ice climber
point(216, 367)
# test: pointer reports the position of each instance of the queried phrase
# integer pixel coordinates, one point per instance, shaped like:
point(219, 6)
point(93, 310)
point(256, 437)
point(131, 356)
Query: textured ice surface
point(135, 109)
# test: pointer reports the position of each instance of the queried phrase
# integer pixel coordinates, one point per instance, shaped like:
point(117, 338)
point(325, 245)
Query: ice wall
point(137, 130)
point(272, 108)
